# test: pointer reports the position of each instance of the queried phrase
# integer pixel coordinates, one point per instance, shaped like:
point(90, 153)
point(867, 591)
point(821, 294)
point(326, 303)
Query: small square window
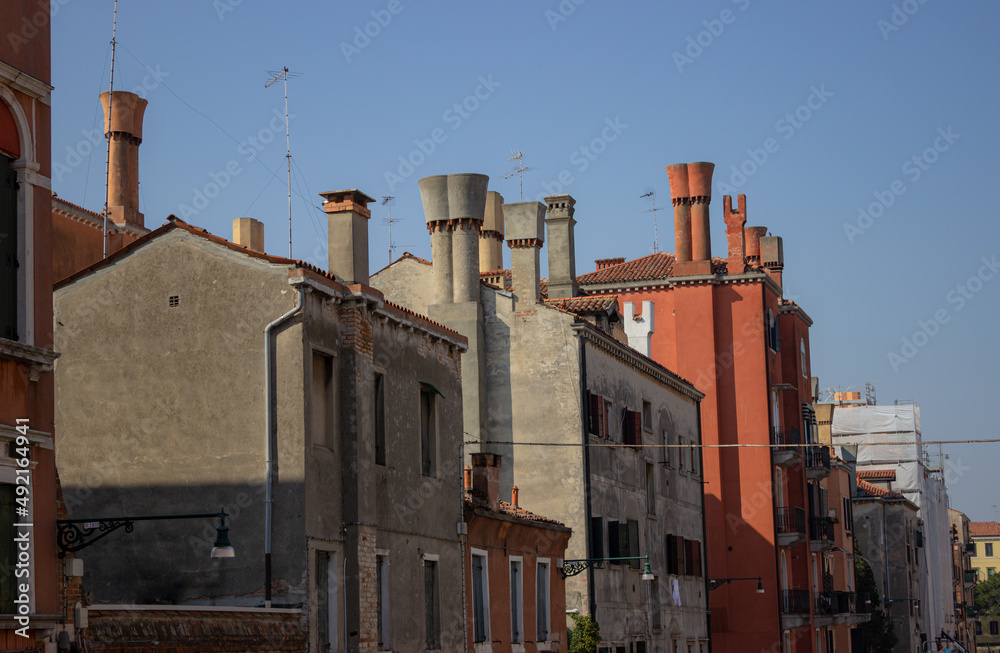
point(174, 301)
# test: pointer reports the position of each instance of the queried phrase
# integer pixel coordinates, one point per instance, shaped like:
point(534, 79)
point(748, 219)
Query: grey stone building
point(887, 532)
point(200, 373)
point(545, 377)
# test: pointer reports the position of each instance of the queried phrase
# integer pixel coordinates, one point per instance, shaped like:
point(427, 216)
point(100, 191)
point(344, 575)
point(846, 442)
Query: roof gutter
point(270, 431)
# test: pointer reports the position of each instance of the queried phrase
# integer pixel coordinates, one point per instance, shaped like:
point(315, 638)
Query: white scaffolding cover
point(886, 434)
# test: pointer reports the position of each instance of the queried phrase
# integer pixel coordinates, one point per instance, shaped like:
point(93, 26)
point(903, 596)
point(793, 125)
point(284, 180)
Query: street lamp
point(715, 583)
point(574, 567)
point(76, 534)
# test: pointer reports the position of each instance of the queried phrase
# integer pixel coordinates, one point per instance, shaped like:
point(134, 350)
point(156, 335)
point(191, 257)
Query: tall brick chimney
point(486, 479)
point(691, 192)
point(562, 248)
point(454, 206)
point(772, 257)
point(249, 233)
point(525, 236)
point(491, 237)
point(752, 236)
point(123, 114)
point(347, 218)
point(735, 221)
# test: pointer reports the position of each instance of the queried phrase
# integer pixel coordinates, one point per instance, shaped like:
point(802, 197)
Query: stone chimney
point(562, 248)
point(735, 221)
point(772, 257)
point(453, 207)
point(249, 233)
point(691, 193)
point(123, 114)
point(347, 218)
point(752, 236)
point(486, 479)
point(491, 237)
point(525, 236)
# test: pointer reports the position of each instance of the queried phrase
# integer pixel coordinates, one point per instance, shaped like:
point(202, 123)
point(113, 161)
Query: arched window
point(802, 351)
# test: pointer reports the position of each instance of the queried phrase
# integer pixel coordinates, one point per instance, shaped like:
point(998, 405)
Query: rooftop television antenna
point(284, 74)
point(651, 194)
point(388, 222)
point(521, 169)
point(111, 101)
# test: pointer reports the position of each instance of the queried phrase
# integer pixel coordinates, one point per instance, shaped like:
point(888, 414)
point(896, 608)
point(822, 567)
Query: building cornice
point(24, 83)
point(795, 309)
point(637, 361)
point(667, 283)
point(38, 359)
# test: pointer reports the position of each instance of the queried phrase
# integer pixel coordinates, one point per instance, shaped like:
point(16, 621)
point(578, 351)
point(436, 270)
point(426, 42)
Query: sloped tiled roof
point(511, 510)
point(879, 474)
point(870, 490)
point(984, 529)
point(659, 265)
point(586, 305)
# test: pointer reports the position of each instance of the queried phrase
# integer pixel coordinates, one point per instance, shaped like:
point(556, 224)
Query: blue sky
point(814, 110)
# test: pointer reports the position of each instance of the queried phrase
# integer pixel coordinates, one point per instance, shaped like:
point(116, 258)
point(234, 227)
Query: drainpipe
point(269, 431)
point(704, 530)
point(591, 599)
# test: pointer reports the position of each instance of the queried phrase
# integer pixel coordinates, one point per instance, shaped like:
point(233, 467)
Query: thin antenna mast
point(111, 102)
point(651, 194)
point(388, 222)
point(284, 74)
point(521, 169)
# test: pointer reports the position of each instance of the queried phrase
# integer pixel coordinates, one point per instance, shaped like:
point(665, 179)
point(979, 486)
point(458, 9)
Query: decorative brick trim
point(525, 242)
point(453, 225)
point(491, 234)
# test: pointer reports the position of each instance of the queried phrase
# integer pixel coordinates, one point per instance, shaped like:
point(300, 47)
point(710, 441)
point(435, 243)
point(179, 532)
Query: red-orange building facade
point(29, 567)
point(724, 325)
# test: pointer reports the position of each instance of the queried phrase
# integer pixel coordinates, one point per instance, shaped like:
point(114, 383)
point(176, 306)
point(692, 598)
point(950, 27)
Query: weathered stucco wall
point(619, 493)
point(160, 410)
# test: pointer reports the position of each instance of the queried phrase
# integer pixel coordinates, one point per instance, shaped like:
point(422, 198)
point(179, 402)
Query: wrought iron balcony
point(837, 602)
point(791, 526)
point(795, 601)
point(821, 535)
point(817, 462)
point(786, 449)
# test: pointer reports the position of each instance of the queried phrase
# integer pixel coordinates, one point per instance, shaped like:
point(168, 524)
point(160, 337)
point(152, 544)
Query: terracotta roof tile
point(511, 510)
point(882, 474)
point(984, 529)
point(659, 265)
point(586, 305)
point(870, 490)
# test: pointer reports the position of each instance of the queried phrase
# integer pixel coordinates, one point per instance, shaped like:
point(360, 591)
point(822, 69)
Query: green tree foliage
point(877, 634)
point(987, 595)
point(585, 635)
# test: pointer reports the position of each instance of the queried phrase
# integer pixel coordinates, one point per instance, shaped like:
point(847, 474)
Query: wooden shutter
point(595, 413)
point(623, 542)
point(8, 250)
point(697, 559)
point(637, 428)
point(679, 548)
point(671, 555)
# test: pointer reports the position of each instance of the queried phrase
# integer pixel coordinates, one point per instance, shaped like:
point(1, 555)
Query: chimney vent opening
point(174, 301)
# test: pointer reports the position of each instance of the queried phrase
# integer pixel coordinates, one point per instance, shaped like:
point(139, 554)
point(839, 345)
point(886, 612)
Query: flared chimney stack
point(735, 222)
point(454, 206)
point(562, 249)
point(691, 193)
point(491, 236)
point(525, 236)
point(123, 114)
point(347, 218)
point(752, 236)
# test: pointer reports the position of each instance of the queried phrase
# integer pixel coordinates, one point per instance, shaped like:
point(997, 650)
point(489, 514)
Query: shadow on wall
point(169, 561)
